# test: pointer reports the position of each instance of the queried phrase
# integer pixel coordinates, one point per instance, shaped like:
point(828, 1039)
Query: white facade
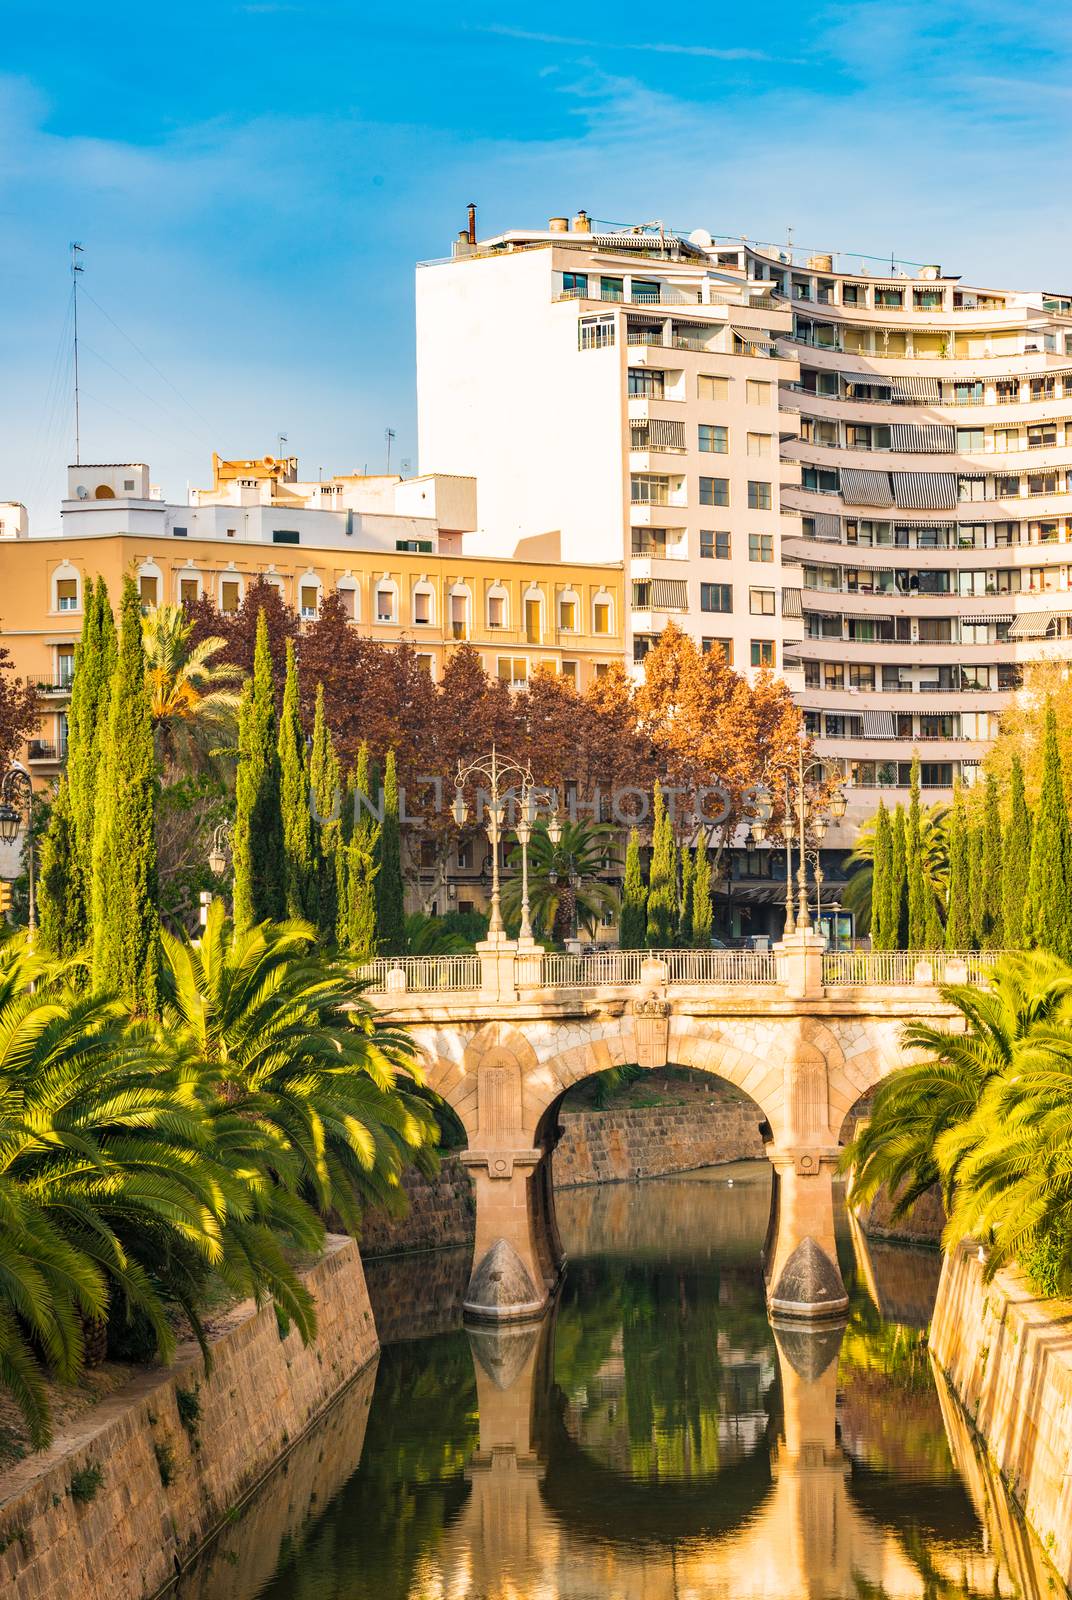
point(617, 398)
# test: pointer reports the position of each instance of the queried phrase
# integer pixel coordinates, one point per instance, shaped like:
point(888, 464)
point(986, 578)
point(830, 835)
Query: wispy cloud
point(657, 47)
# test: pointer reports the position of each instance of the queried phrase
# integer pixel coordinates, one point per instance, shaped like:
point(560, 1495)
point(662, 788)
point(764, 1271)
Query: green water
point(654, 1439)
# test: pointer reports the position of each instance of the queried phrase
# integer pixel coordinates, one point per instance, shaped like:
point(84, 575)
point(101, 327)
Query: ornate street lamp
point(794, 830)
point(219, 855)
point(500, 776)
point(16, 807)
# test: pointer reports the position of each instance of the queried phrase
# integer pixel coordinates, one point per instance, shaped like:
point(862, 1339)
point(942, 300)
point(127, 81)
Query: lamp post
point(500, 776)
point(217, 864)
point(16, 802)
point(794, 835)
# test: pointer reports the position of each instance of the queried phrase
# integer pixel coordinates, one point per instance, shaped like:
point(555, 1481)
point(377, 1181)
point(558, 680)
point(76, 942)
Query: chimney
point(472, 222)
point(558, 225)
point(582, 223)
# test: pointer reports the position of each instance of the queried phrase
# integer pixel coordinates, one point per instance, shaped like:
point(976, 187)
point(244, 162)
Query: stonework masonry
point(650, 1141)
point(1008, 1358)
point(130, 1536)
point(441, 1213)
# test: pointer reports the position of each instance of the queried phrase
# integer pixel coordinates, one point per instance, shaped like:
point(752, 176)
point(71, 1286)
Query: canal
point(654, 1439)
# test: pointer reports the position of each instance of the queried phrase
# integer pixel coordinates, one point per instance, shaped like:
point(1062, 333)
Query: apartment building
point(615, 392)
point(863, 467)
point(399, 568)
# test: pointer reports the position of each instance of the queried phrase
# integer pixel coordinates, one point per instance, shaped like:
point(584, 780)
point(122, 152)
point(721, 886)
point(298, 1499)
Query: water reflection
point(655, 1437)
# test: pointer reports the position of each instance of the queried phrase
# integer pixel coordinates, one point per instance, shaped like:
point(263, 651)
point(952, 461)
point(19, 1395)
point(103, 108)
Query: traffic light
point(5, 899)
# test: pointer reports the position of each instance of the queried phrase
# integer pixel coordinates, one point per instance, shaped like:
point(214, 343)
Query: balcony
point(42, 752)
point(56, 691)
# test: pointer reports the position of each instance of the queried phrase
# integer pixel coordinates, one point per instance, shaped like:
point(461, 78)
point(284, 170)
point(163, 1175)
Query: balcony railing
point(41, 750)
point(423, 974)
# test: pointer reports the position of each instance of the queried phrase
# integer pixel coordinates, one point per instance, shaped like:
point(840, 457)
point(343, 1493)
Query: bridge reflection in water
point(656, 1438)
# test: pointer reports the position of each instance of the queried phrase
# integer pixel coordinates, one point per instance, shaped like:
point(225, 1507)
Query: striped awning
point(861, 486)
point(906, 522)
point(870, 380)
point(827, 526)
point(926, 390)
point(879, 725)
point(754, 336)
point(993, 616)
point(657, 433)
point(669, 594)
point(791, 603)
point(1035, 626)
point(925, 491)
point(936, 439)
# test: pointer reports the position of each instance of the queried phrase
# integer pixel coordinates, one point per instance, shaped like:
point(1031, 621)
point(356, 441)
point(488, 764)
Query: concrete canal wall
point(652, 1141)
point(1008, 1358)
point(128, 1493)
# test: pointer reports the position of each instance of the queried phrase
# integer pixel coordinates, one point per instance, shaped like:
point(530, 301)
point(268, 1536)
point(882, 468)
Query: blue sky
point(254, 183)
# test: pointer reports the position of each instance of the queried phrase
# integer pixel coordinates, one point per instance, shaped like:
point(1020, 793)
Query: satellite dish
point(701, 237)
point(82, 492)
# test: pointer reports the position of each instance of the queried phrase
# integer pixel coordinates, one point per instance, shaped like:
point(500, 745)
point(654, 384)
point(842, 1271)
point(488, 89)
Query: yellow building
point(401, 574)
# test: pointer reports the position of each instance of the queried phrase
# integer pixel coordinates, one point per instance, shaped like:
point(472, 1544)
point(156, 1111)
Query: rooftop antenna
point(789, 244)
point(281, 443)
point(76, 268)
point(389, 436)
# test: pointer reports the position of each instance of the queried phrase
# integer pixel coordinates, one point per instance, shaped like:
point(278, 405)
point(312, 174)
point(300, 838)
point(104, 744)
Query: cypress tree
point(125, 916)
point(896, 913)
point(701, 899)
point(880, 868)
point(1048, 907)
point(390, 895)
point(958, 905)
point(357, 897)
point(976, 890)
point(993, 915)
point(662, 879)
point(684, 921)
point(300, 864)
point(60, 904)
point(258, 829)
point(633, 924)
point(324, 783)
point(917, 883)
point(935, 933)
point(1016, 860)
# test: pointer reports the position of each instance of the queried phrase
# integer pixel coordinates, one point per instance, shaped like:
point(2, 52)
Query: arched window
point(533, 604)
point(308, 596)
point(349, 593)
point(232, 586)
point(569, 611)
point(498, 605)
point(385, 606)
point(422, 604)
point(189, 586)
point(602, 612)
point(66, 588)
point(461, 611)
point(150, 581)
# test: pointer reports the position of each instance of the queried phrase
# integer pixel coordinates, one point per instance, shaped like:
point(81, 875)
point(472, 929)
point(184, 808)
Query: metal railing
point(623, 967)
point(878, 968)
point(423, 974)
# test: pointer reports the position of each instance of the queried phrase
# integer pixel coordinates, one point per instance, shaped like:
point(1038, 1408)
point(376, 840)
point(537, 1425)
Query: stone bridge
point(805, 1033)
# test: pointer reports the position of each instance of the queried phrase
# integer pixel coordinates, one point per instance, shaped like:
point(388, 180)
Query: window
point(1042, 436)
point(496, 611)
point(757, 392)
point(178, 533)
point(714, 491)
point(601, 616)
point(763, 652)
point(426, 664)
point(611, 288)
point(459, 616)
point(67, 594)
point(648, 383)
point(575, 284)
point(148, 587)
point(758, 444)
point(761, 547)
point(64, 665)
point(889, 297)
point(567, 615)
point(128, 488)
point(513, 669)
point(722, 647)
point(714, 440)
point(569, 670)
point(595, 333)
point(647, 291)
point(533, 621)
point(421, 547)
point(189, 589)
point(971, 489)
point(716, 597)
point(708, 387)
point(714, 546)
point(285, 536)
point(649, 489)
point(309, 600)
point(761, 602)
point(759, 496)
point(422, 607)
point(347, 594)
point(853, 294)
point(385, 602)
point(970, 441)
point(230, 595)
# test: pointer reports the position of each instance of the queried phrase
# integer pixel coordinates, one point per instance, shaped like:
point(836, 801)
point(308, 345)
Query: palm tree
point(300, 1079)
point(924, 1126)
point(934, 850)
point(566, 890)
point(193, 696)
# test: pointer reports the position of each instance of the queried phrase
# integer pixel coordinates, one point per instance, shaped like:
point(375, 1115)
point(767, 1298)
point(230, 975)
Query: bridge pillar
point(799, 964)
point(516, 1262)
point(801, 1267)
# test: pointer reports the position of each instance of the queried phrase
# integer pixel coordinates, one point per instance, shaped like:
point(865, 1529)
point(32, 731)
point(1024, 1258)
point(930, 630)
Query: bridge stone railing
point(528, 971)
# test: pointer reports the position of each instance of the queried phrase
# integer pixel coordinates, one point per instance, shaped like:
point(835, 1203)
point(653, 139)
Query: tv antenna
point(76, 268)
point(389, 436)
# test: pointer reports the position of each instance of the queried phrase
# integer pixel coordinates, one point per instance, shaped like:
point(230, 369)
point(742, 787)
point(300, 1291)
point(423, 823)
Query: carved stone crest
point(651, 1030)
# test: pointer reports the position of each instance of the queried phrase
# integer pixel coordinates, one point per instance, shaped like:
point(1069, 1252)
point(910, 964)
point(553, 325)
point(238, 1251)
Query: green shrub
point(85, 1482)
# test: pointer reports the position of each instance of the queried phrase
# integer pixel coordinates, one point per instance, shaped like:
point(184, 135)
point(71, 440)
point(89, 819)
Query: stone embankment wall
point(923, 1225)
point(441, 1213)
point(1008, 1358)
point(152, 1480)
point(650, 1141)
